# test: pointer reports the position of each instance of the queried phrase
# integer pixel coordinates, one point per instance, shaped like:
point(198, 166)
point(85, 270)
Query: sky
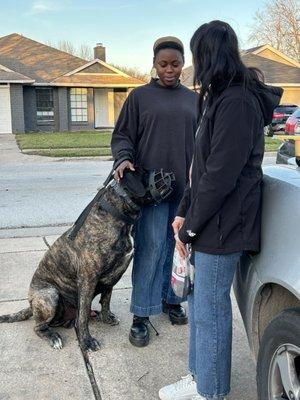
point(127, 28)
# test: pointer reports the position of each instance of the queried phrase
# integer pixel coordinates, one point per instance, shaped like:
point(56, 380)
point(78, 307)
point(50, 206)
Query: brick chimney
point(99, 52)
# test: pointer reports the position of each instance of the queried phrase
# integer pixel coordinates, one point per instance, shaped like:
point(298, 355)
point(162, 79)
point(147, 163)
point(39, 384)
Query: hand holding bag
point(182, 279)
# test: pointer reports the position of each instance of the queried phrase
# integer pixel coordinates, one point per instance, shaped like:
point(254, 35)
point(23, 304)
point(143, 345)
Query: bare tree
point(278, 24)
point(133, 71)
point(49, 43)
point(85, 52)
point(67, 46)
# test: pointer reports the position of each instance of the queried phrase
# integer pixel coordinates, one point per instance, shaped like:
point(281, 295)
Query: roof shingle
point(98, 80)
point(36, 60)
point(275, 72)
point(12, 76)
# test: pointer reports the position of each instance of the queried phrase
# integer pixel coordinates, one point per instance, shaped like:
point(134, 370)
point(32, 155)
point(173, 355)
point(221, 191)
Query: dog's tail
point(22, 315)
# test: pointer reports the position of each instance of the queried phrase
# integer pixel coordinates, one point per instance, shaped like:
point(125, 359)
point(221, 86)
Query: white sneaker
point(184, 389)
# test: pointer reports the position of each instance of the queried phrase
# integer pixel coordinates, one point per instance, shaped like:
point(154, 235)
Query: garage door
point(5, 110)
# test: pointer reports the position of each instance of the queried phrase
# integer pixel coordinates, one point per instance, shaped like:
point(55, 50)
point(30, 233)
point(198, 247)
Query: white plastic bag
point(182, 279)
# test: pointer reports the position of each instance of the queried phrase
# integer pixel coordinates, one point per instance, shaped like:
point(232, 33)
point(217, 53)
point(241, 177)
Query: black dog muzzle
point(160, 184)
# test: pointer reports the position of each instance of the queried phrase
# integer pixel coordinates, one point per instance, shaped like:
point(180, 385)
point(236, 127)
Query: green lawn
point(81, 144)
point(66, 144)
point(63, 140)
point(272, 144)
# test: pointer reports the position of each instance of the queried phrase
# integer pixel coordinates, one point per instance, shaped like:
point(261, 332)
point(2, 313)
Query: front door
point(104, 108)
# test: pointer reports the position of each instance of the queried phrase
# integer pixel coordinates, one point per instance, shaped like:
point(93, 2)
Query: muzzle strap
point(83, 216)
point(114, 212)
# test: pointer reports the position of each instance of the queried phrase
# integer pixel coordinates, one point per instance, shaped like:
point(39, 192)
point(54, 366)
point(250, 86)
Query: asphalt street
point(48, 194)
point(51, 193)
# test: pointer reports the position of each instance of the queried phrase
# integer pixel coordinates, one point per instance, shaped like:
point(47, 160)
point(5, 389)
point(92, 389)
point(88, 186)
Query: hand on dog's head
point(137, 185)
point(134, 182)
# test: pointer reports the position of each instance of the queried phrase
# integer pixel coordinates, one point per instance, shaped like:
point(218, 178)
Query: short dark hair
point(168, 45)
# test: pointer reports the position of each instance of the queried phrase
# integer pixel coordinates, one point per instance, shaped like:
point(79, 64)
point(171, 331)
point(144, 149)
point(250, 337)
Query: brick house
point(279, 70)
point(45, 89)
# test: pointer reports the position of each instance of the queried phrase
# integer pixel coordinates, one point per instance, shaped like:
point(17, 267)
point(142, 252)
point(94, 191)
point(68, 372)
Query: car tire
point(279, 357)
point(268, 131)
point(298, 161)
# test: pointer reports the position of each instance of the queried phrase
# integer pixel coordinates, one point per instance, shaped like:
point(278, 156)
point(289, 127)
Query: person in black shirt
point(220, 214)
point(155, 130)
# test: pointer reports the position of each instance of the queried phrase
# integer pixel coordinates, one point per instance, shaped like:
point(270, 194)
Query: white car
point(267, 288)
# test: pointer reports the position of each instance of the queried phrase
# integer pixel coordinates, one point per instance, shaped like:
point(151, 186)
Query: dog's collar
point(114, 212)
point(121, 192)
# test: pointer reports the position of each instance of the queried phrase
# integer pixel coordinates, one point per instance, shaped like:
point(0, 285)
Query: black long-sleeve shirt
point(156, 129)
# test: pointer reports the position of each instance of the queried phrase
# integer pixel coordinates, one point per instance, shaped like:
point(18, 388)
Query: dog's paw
point(109, 318)
point(91, 344)
point(56, 341)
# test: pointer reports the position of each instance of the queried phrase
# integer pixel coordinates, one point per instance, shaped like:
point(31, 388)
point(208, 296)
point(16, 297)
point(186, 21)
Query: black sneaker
point(139, 332)
point(176, 312)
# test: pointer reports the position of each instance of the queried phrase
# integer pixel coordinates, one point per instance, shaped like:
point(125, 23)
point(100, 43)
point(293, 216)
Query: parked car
point(280, 116)
point(286, 153)
point(292, 126)
point(267, 288)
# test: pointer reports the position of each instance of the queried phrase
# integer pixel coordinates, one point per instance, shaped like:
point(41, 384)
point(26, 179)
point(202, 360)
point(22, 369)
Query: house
point(45, 89)
point(278, 69)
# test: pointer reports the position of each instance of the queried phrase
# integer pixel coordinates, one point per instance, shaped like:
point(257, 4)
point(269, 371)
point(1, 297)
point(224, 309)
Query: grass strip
point(63, 140)
point(83, 144)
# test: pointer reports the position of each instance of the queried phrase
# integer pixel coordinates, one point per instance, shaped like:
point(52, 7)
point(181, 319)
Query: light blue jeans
point(210, 319)
point(153, 257)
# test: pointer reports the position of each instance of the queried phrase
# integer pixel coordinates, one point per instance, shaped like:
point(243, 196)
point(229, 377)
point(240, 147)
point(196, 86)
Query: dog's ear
point(133, 183)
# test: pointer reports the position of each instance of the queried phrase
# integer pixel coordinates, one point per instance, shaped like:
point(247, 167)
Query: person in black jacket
point(155, 130)
point(220, 213)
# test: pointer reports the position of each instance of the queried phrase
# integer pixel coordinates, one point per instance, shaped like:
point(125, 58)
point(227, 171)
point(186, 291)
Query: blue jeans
point(153, 257)
point(210, 319)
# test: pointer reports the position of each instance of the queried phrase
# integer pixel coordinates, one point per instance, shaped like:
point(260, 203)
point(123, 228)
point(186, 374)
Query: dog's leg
point(44, 303)
point(106, 315)
point(86, 289)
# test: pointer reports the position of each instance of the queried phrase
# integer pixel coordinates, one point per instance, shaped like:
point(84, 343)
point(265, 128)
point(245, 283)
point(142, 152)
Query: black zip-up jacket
point(156, 129)
point(222, 206)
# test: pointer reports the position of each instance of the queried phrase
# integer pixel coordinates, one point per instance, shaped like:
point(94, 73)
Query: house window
point(44, 104)
point(78, 98)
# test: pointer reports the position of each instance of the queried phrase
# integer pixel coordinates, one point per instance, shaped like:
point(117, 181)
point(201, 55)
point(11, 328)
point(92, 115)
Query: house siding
point(62, 111)
point(275, 57)
point(119, 98)
point(17, 108)
point(63, 116)
point(291, 95)
point(29, 108)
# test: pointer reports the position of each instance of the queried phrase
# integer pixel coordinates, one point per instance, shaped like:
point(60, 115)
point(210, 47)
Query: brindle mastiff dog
point(89, 259)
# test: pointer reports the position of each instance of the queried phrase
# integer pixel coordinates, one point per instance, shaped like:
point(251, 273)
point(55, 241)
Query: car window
point(297, 113)
point(286, 109)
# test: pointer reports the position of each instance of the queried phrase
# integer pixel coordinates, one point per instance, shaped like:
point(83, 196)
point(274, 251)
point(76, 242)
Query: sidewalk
point(10, 152)
point(30, 369)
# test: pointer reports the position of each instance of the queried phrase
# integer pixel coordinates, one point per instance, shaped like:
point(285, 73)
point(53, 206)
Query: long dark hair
point(217, 61)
